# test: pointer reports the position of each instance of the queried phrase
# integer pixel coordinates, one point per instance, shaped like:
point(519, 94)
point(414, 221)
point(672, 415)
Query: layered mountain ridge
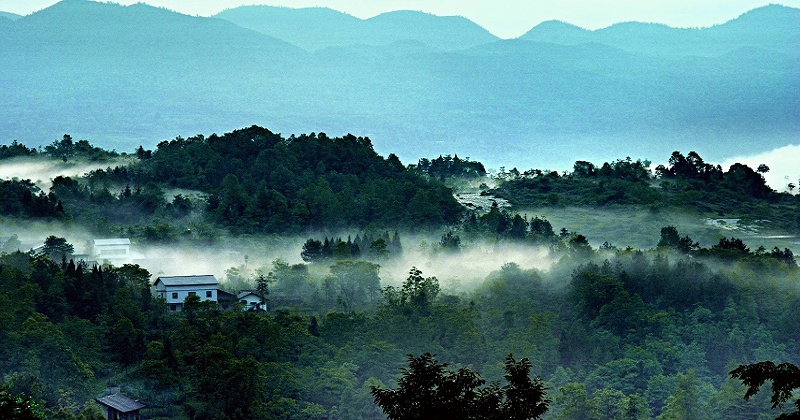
point(128, 75)
point(317, 28)
point(768, 27)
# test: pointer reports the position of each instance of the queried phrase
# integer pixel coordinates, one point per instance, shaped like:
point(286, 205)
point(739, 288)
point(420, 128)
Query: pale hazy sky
point(504, 18)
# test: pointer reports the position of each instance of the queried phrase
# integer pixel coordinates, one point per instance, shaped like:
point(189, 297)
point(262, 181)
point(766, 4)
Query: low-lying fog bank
point(466, 268)
point(42, 170)
point(251, 256)
point(640, 228)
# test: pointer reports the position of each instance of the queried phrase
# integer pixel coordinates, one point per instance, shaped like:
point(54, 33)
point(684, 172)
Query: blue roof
point(203, 280)
point(245, 293)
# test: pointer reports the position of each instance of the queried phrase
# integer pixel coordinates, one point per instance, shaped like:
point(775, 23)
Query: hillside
point(123, 76)
point(9, 16)
point(317, 28)
point(83, 29)
point(770, 27)
point(249, 181)
point(653, 330)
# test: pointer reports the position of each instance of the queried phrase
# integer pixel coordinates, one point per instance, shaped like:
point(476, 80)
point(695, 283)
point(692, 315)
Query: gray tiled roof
point(245, 293)
point(121, 403)
point(188, 280)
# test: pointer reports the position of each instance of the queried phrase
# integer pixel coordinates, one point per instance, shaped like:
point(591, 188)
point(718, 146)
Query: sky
point(504, 18)
point(782, 163)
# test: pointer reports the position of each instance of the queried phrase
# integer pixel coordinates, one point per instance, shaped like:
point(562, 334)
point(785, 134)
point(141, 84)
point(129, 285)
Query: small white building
point(250, 300)
point(116, 251)
point(176, 289)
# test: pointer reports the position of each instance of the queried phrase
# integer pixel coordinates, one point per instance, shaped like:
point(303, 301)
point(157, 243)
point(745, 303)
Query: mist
point(32, 233)
point(42, 170)
point(465, 269)
point(782, 162)
point(457, 271)
point(185, 259)
point(640, 228)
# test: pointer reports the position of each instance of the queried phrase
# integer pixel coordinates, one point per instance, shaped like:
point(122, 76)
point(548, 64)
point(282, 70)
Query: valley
point(299, 213)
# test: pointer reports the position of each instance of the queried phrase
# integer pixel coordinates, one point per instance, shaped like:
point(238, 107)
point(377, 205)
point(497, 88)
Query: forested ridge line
point(252, 180)
point(684, 183)
point(249, 180)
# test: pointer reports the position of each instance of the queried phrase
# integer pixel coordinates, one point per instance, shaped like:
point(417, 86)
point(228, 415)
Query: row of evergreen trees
point(368, 247)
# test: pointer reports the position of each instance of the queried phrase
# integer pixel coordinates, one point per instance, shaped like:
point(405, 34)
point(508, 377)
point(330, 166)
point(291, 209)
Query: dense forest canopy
point(258, 181)
point(613, 332)
point(253, 180)
point(652, 331)
point(686, 182)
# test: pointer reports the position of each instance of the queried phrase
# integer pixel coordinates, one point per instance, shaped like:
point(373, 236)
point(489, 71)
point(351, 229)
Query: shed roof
point(221, 294)
point(245, 293)
point(112, 241)
point(203, 280)
point(121, 403)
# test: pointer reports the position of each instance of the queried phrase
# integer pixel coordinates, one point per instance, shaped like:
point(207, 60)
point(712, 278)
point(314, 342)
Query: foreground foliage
point(18, 407)
point(427, 390)
point(785, 379)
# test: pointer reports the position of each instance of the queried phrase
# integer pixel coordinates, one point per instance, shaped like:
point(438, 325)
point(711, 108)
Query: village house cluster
point(173, 289)
point(176, 289)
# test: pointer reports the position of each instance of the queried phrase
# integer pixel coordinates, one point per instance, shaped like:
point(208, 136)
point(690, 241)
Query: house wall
point(112, 250)
point(112, 253)
point(250, 301)
point(176, 295)
point(113, 414)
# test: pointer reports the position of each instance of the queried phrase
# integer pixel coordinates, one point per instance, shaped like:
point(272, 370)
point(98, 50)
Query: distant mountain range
point(9, 16)
point(771, 28)
point(316, 28)
point(417, 84)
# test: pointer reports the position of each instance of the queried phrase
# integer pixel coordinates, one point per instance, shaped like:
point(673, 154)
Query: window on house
point(173, 307)
point(174, 295)
point(244, 302)
point(192, 293)
point(208, 293)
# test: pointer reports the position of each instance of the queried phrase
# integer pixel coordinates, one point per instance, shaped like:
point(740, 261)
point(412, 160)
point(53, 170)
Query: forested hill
point(687, 182)
point(772, 27)
point(258, 181)
point(9, 16)
point(616, 332)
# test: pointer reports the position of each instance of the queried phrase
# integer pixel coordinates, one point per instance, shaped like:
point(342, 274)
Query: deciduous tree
point(427, 389)
point(785, 379)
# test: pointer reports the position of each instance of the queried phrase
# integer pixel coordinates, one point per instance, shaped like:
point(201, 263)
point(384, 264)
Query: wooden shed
point(120, 407)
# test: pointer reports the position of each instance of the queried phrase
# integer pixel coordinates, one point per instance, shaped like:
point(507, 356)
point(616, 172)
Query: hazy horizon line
point(204, 9)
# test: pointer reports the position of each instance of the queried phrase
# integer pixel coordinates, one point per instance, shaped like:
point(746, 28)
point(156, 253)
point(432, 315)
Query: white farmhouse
point(250, 300)
point(116, 251)
point(176, 289)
